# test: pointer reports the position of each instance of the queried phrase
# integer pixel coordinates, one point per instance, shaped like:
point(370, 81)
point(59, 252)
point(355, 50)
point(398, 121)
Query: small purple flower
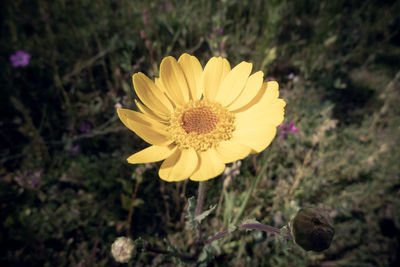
point(271, 79)
point(145, 16)
point(142, 34)
point(20, 58)
point(148, 44)
point(36, 179)
point(221, 30)
point(20, 180)
point(85, 127)
point(222, 46)
point(293, 128)
point(74, 150)
point(139, 171)
point(285, 129)
point(168, 5)
point(29, 179)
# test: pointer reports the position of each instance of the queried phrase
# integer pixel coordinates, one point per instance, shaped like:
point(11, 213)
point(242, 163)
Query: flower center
point(199, 120)
point(201, 125)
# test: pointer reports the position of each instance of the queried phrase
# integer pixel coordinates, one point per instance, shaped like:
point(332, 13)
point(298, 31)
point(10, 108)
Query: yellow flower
point(198, 120)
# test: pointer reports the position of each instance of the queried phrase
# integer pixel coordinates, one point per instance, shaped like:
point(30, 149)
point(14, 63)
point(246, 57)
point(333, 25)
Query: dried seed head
point(312, 229)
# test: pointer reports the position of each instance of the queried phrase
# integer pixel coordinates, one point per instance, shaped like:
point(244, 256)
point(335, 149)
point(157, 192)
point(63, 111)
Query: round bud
point(312, 229)
point(123, 249)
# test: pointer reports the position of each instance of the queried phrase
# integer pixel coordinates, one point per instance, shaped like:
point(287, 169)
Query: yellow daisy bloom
point(197, 120)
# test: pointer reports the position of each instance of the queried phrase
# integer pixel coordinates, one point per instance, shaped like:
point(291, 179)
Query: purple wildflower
point(20, 58)
point(286, 129)
point(221, 30)
point(29, 179)
point(271, 79)
point(145, 17)
point(74, 150)
point(142, 34)
point(85, 127)
point(222, 45)
point(168, 5)
point(20, 180)
point(293, 128)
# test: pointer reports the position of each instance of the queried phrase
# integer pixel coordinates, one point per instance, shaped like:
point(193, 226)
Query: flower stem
point(129, 219)
point(216, 237)
point(254, 184)
point(261, 227)
point(184, 256)
point(199, 206)
point(249, 226)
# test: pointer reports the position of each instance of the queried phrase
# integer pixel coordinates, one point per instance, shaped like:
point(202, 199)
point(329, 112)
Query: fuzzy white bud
point(123, 249)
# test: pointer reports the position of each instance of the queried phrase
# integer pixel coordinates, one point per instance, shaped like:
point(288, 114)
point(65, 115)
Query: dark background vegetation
point(66, 189)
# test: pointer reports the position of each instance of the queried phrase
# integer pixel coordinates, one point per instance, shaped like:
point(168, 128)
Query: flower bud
point(312, 229)
point(123, 249)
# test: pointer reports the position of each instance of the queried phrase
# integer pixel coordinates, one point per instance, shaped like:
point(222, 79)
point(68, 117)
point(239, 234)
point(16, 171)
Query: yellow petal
point(192, 69)
point(174, 81)
point(214, 73)
point(262, 113)
point(179, 166)
point(257, 138)
point(254, 101)
point(210, 166)
point(231, 150)
point(150, 113)
point(151, 131)
point(250, 91)
point(272, 90)
point(152, 154)
point(159, 84)
point(151, 95)
point(266, 109)
point(275, 112)
point(233, 83)
point(268, 92)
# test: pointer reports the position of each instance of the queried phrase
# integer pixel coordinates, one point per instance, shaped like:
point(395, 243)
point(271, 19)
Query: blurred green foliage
point(67, 193)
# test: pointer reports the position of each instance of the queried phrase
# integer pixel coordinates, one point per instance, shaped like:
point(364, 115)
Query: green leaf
point(202, 216)
point(190, 212)
point(126, 202)
point(139, 242)
point(9, 221)
point(138, 202)
point(330, 40)
point(126, 185)
point(205, 256)
point(170, 245)
point(136, 177)
point(338, 84)
point(249, 220)
point(285, 231)
point(216, 247)
point(232, 228)
point(270, 56)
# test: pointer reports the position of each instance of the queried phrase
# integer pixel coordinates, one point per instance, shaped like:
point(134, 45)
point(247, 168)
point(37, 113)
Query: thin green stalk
point(254, 184)
point(201, 194)
point(250, 226)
